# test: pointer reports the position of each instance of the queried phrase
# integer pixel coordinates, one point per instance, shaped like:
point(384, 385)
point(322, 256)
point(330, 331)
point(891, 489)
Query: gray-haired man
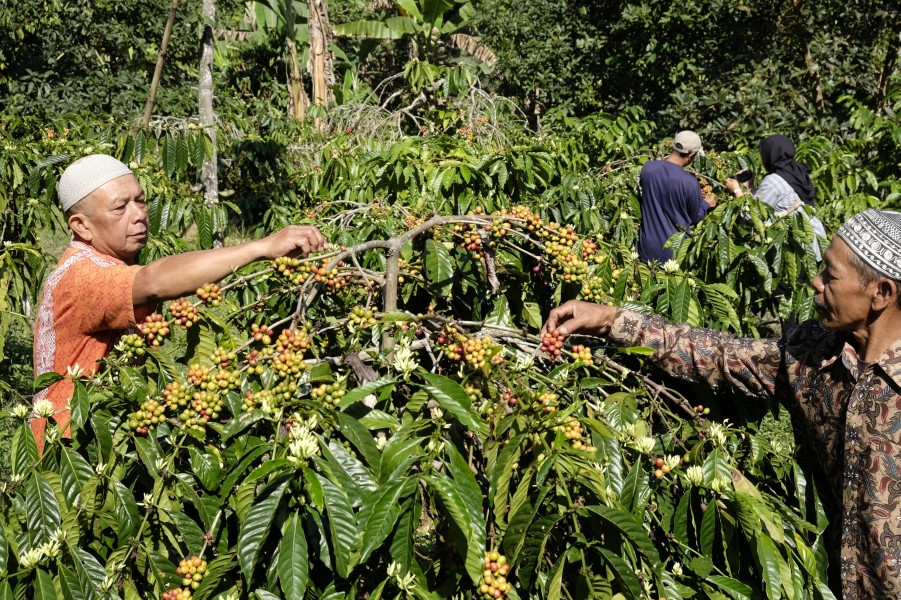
point(841, 376)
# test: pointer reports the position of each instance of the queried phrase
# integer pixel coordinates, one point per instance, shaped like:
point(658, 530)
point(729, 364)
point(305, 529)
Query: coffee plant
point(415, 438)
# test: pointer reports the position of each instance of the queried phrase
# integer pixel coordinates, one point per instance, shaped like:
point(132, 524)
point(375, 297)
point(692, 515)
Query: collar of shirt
point(889, 361)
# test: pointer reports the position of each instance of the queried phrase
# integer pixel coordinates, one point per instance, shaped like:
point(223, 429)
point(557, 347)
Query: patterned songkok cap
point(875, 236)
point(86, 175)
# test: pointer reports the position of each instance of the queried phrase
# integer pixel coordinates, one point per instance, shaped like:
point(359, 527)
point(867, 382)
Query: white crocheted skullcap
point(86, 175)
point(875, 236)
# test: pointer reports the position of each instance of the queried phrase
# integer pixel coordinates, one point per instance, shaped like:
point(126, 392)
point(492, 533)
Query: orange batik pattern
point(86, 306)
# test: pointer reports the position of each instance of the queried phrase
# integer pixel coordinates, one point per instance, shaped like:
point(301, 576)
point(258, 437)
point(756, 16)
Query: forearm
point(181, 274)
point(701, 355)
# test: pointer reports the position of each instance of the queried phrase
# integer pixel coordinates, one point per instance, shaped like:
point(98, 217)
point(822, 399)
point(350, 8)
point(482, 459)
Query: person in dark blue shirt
point(671, 198)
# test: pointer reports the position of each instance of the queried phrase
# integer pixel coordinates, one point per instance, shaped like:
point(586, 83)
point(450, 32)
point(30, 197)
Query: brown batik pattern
point(852, 419)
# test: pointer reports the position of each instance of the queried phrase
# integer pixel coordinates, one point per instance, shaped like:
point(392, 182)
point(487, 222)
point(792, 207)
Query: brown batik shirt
point(850, 411)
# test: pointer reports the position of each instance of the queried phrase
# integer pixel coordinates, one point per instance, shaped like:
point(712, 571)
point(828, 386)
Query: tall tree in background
point(209, 173)
point(320, 64)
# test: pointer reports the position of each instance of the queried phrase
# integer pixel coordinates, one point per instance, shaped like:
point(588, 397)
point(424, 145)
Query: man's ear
point(886, 294)
point(80, 224)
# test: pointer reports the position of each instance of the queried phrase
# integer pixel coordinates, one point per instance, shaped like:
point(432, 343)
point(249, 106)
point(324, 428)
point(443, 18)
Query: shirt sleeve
point(698, 207)
point(702, 355)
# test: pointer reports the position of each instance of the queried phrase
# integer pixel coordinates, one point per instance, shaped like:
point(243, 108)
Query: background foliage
point(421, 463)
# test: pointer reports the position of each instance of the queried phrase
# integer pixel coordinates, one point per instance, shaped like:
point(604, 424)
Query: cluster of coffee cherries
point(290, 347)
point(150, 414)
point(154, 329)
point(552, 344)
point(205, 407)
point(582, 355)
point(471, 240)
point(131, 346)
point(192, 570)
point(494, 577)
point(596, 289)
point(184, 314)
point(702, 410)
point(572, 430)
point(177, 594)
point(297, 271)
point(548, 402)
point(572, 267)
point(706, 188)
point(476, 352)
point(361, 317)
point(261, 333)
point(509, 397)
point(210, 294)
point(589, 249)
point(176, 395)
point(329, 393)
point(223, 357)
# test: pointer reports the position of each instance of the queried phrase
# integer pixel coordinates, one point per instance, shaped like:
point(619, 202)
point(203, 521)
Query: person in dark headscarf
point(778, 155)
point(787, 185)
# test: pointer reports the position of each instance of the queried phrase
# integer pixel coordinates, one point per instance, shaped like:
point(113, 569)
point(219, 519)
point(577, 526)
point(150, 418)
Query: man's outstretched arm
point(181, 274)
point(692, 353)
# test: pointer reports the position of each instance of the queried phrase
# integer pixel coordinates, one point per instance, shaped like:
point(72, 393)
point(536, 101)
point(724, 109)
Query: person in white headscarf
point(840, 375)
point(97, 291)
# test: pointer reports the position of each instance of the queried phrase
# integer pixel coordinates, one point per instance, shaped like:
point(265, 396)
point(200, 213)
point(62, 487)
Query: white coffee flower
point(644, 444)
point(671, 266)
point(405, 361)
point(43, 409)
point(720, 484)
point(160, 464)
point(717, 433)
point(303, 446)
point(30, 559)
point(695, 475)
point(74, 371)
point(107, 584)
point(677, 569)
point(381, 442)
point(100, 468)
point(51, 434)
point(21, 411)
point(393, 569)
point(50, 549)
point(634, 255)
point(435, 446)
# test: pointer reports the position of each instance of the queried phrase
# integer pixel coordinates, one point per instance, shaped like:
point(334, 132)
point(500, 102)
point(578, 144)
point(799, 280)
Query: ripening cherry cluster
point(184, 313)
point(192, 570)
point(261, 333)
point(154, 329)
point(471, 241)
point(589, 249)
point(150, 414)
point(176, 395)
point(509, 397)
point(329, 393)
point(131, 346)
point(476, 352)
point(223, 357)
point(572, 430)
point(582, 355)
point(552, 343)
point(297, 271)
point(177, 594)
point(548, 402)
point(361, 317)
point(494, 577)
point(210, 294)
point(595, 289)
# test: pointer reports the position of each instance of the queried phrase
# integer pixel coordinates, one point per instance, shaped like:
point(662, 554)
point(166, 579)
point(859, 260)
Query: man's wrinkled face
point(842, 301)
point(116, 218)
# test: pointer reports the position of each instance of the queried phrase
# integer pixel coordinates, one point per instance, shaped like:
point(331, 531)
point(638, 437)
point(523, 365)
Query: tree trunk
point(320, 64)
point(209, 174)
point(158, 71)
point(888, 67)
point(809, 63)
point(298, 101)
